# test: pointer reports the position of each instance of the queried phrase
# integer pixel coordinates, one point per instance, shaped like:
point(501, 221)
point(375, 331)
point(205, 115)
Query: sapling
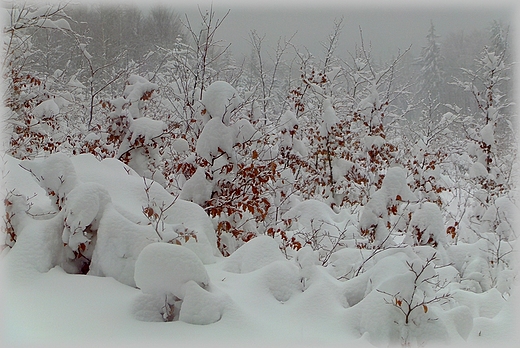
point(420, 297)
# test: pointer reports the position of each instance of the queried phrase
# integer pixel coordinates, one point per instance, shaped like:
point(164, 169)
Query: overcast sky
point(388, 28)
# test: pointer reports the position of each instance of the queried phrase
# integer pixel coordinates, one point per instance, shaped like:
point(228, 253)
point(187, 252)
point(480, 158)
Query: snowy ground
point(59, 309)
point(255, 296)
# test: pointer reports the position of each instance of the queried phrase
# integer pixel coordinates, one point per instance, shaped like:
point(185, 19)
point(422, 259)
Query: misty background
point(387, 29)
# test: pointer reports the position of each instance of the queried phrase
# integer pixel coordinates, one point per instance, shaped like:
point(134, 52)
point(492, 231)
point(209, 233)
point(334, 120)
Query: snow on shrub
point(55, 174)
point(220, 99)
point(315, 224)
point(375, 219)
point(187, 215)
point(84, 207)
point(140, 147)
point(215, 140)
point(426, 226)
point(137, 91)
point(118, 243)
point(409, 288)
point(197, 189)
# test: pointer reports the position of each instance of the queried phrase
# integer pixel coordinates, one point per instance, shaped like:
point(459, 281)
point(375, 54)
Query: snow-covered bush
point(375, 222)
point(167, 271)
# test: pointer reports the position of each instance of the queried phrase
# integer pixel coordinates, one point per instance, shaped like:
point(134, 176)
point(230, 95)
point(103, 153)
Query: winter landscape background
point(187, 175)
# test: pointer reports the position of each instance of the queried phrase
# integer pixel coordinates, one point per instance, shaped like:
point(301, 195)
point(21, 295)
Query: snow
point(56, 175)
point(253, 255)
point(48, 108)
point(181, 145)
point(329, 117)
point(215, 135)
point(478, 170)
point(146, 128)
point(427, 218)
point(487, 134)
point(99, 252)
point(84, 206)
point(288, 120)
point(244, 131)
point(136, 87)
point(119, 242)
point(163, 268)
point(197, 189)
point(220, 99)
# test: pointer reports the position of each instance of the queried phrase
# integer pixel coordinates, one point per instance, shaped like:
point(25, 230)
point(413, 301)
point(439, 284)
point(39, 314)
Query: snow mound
point(255, 254)
point(163, 269)
point(281, 279)
point(119, 242)
point(201, 307)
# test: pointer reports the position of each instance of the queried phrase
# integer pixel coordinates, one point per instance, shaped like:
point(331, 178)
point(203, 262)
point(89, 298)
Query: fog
point(386, 28)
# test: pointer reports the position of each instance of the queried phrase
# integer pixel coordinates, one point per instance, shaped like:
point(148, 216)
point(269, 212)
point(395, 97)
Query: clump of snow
point(181, 145)
point(427, 220)
point(394, 184)
point(193, 217)
point(55, 174)
point(288, 120)
point(146, 128)
point(118, 244)
point(478, 170)
point(197, 189)
point(48, 108)
point(487, 134)
point(38, 248)
point(215, 137)
point(164, 268)
point(201, 307)
point(253, 255)
point(220, 99)
point(84, 206)
point(374, 141)
point(375, 212)
point(244, 131)
point(371, 102)
point(502, 217)
point(329, 117)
